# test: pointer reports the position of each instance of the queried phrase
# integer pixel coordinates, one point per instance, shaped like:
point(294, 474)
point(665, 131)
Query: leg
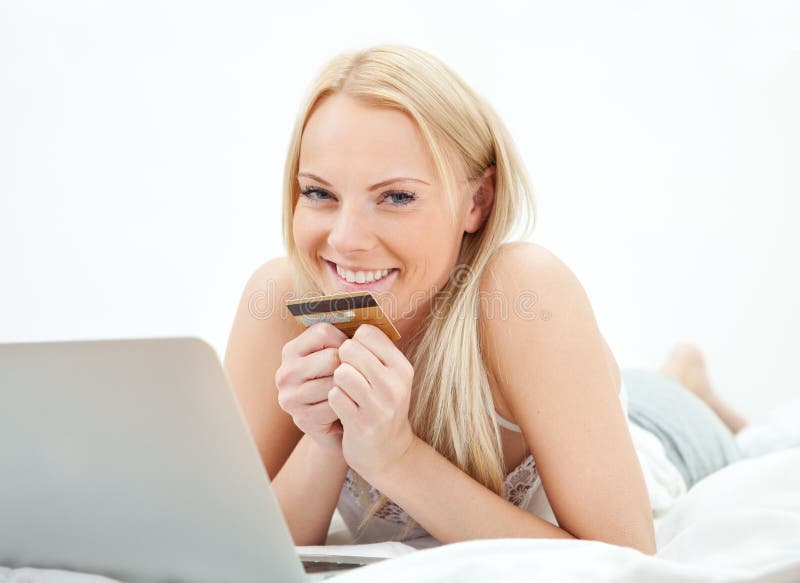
point(686, 364)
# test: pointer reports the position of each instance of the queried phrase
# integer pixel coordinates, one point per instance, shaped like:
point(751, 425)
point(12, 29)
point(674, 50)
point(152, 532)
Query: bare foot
point(687, 364)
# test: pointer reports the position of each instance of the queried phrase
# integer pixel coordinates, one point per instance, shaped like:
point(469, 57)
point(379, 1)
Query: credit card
point(345, 310)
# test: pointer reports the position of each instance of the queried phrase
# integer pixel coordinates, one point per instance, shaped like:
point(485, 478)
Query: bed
point(741, 523)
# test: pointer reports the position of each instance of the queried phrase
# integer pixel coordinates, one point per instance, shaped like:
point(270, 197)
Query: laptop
point(132, 459)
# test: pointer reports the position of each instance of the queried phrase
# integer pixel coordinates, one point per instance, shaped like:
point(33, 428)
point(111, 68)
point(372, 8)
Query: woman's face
point(372, 209)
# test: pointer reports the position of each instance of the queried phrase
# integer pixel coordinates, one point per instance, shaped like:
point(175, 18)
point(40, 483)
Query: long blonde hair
point(451, 394)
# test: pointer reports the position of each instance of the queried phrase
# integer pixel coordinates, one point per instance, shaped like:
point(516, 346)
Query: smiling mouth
point(361, 279)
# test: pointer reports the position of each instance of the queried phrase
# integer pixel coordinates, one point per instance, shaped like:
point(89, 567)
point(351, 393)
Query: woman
point(401, 180)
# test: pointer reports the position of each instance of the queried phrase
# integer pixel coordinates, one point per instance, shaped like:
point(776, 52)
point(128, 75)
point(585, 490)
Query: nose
point(351, 231)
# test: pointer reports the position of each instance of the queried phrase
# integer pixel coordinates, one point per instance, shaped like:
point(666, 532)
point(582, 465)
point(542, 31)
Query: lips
point(380, 285)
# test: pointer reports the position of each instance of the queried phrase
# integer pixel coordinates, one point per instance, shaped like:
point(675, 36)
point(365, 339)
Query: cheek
point(439, 241)
point(304, 228)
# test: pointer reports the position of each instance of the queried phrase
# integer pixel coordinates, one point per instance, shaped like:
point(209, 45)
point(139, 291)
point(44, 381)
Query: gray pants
point(695, 439)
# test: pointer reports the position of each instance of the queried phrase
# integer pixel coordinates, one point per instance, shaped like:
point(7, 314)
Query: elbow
point(646, 545)
point(640, 537)
point(648, 548)
point(304, 541)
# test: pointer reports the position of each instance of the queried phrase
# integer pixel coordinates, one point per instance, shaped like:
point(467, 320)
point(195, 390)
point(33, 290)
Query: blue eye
point(410, 196)
point(307, 192)
point(398, 197)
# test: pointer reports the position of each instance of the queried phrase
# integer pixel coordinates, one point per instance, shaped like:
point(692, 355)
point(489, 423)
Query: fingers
point(355, 353)
point(322, 414)
point(379, 344)
point(353, 383)
point(314, 338)
point(318, 364)
point(342, 405)
point(316, 390)
point(393, 367)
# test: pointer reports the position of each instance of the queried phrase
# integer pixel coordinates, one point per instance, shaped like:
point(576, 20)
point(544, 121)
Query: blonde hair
point(451, 394)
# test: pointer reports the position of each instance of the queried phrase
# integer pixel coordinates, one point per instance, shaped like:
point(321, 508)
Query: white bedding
point(739, 524)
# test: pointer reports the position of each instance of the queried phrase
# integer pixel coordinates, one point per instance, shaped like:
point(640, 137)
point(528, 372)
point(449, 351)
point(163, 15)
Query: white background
point(142, 147)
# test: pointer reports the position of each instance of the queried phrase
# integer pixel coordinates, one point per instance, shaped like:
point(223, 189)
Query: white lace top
point(522, 488)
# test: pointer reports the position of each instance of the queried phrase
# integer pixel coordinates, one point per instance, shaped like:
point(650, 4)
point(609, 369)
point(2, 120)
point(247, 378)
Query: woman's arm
point(307, 489)
point(450, 504)
point(562, 385)
point(556, 376)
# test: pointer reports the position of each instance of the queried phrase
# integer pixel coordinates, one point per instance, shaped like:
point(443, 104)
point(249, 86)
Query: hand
point(304, 379)
point(371, 396)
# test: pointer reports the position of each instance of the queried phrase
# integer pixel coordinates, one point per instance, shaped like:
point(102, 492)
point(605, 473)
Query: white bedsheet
point(739, 524)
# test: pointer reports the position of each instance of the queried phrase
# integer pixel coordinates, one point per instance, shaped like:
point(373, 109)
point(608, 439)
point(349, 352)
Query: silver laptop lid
point(132, 458)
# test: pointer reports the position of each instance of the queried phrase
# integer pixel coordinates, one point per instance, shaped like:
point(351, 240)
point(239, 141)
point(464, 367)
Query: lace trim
point(518, 487)
point(522, 482)
point(390, 511)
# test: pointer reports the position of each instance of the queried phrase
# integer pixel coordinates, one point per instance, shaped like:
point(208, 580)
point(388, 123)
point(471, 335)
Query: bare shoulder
point(268, 288)
point(521, 281)
point(262, 323)
point(275, 273)
point(528, 293)
point(518, 261)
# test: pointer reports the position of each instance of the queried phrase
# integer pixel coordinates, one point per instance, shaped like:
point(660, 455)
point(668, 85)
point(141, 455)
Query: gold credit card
point(345, 310)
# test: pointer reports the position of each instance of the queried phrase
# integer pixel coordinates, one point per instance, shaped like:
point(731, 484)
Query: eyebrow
point(373, 187)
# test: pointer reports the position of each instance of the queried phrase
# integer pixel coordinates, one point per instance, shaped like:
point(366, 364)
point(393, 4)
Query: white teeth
point(361, 276)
